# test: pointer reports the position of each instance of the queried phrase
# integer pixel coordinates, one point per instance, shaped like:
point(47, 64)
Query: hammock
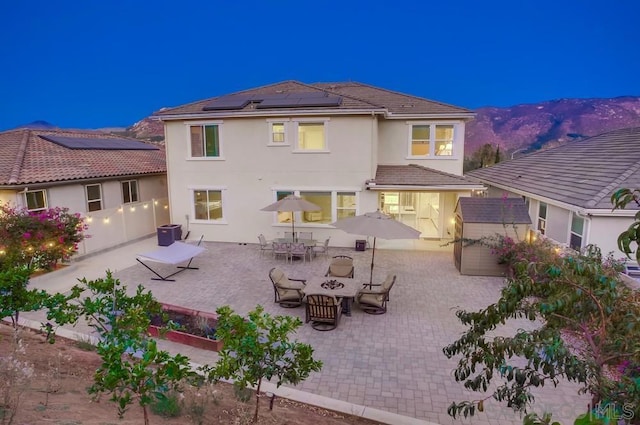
point(176, 253)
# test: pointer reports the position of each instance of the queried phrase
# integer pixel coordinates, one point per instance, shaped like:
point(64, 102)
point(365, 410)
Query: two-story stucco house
point(118, 184)
point(347, 147)
point(569, 188)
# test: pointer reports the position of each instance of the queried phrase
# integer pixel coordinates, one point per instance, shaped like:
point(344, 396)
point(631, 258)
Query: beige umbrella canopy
point(378, 225)
point(292, 203)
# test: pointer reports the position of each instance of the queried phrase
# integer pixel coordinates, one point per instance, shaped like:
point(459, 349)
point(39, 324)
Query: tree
point(620, 200)
point(132, 366)
point(258, 348)
point(485, 156)
point(14, 295)
point(589, 324)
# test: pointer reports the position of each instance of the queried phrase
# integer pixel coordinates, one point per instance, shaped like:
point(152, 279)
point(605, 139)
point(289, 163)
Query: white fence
point(112, 227)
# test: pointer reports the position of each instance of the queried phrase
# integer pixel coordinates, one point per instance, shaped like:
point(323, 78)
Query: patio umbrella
point(292, 203)
point(378, 225)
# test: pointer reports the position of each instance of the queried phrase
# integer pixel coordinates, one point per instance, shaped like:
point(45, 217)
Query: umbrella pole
point(293, 227)
point(373, 256)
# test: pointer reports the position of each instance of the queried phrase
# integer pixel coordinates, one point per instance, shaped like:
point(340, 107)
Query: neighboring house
point(348, 147)
point(568, 189)
point(118, 184)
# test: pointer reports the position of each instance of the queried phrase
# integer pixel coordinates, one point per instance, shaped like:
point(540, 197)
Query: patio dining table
point(341, 287)
point(307, 242)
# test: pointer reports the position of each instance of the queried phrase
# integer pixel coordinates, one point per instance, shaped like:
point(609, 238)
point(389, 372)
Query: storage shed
point(486, 217)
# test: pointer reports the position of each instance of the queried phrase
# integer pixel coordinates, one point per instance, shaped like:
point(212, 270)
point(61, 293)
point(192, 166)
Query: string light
point(145, 206)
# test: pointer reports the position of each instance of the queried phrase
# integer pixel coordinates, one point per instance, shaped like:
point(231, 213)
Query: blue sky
point(91, 64)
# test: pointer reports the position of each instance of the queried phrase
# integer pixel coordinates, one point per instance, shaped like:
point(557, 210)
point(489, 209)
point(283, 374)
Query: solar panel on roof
point(308, 94)
point(321, 101)
point(296, 102)
point(227, 102)
point(278, 103)
point(113, 143)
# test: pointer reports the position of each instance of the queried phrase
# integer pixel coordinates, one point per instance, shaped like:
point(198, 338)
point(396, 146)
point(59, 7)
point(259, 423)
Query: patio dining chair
point(280, 249)
point(321, 249)
point(341, 266)
point(287, 292)
point(264, 244)
point(305, 235)
point(290, 235)
point(323, 311)
point(297, 250)
point(374, 301)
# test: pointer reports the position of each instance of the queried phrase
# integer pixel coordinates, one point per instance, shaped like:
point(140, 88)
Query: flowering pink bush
point(40, 238)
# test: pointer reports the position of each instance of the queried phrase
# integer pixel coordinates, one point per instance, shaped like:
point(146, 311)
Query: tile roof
point(355, 96)
point(417, 175)
point(493, 210)
point(583, 173)
point(27, 158)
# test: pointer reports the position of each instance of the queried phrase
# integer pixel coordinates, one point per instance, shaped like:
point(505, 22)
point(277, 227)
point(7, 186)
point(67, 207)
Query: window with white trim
point(277, 133)
point(431, 140)
point(311, 136)
point(36, 200)
point(577, 232)
point(205, 141)
point(94, 197)
point(542, 218)
point(208, 204)
point(333, 205)
point(129, 191)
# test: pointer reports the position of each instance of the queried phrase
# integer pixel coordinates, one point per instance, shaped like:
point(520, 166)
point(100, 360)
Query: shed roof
point(493, 210)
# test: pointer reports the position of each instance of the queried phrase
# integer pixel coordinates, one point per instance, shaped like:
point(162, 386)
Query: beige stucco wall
point(115, 223)
point(393, 146)
point(251, 170)
point(9, 197)
point(604, 231)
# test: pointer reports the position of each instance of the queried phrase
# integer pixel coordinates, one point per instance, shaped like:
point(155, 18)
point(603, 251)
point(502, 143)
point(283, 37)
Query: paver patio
point(392, 362)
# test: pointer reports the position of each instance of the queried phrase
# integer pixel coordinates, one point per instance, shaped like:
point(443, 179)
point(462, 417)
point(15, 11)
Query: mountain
point(525, 127)
point(147, 129)
point(542, 125)
point(38, 125)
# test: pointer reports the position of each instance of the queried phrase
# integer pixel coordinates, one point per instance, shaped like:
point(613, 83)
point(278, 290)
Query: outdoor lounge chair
point(286, 292)
point(374, 301)
point(341, 266)
point(323, 311)
point(176, 253)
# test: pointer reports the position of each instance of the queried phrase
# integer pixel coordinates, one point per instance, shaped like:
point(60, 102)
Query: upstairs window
point(205, 141)
point(36, 200)
point(278, 135)
point(431, 140)
point(129, 191)
point(542, 218)
point(94, 197)
point(311, 136)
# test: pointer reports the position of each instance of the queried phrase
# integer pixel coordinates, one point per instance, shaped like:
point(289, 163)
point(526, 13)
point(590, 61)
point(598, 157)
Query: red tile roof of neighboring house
point(27, 158)
point(355, 96)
